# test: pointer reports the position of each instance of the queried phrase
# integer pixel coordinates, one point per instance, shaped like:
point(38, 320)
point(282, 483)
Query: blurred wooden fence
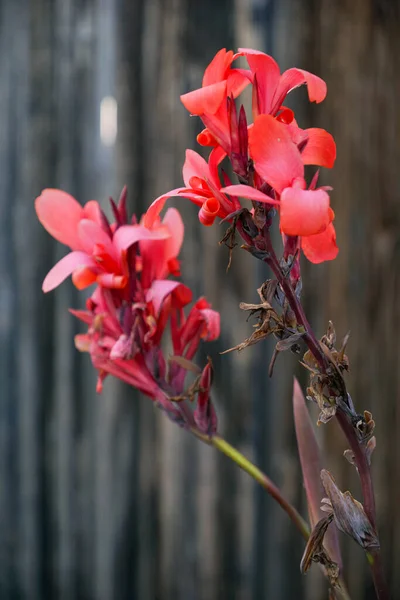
point(100, 497)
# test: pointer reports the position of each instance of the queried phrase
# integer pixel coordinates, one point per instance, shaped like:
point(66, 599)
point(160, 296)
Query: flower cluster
point(268, 155)
point(134, 301)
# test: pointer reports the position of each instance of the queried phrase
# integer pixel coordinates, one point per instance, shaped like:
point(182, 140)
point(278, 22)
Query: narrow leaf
point(311, 468)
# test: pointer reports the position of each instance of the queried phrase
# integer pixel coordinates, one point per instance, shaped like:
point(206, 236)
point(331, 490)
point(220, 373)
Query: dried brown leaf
point(315, 551)
point(349, 514)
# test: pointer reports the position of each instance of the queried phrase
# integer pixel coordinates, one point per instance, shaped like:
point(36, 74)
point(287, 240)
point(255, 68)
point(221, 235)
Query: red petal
point(112, 281)
point(205, 138)
point(321, 247)
point(194, 166)
point(276, 158)
point(293, 78)
point(173, 221)
point(83, 277)
point(83, 315)
point(212, 323)
point(92, 211)
point(268, 75)
point(156, 207)
point(237, 81)
point(246, 191)
point(217, 155)
point(83, 342)
point(216, 70)
point(320, 148)
point(60, 213)
point(209, 211)
point(304, 212)
point(161, 289)
point(90, 234)
point(65, 267)
point(127, 235)
point(205, 100)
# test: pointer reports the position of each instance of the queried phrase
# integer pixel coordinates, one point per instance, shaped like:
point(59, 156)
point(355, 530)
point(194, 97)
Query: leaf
point(315, 551)
point(287, 343)
point(311, 468)
point(349, 514)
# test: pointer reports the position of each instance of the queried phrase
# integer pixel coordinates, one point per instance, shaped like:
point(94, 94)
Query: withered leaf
point(348, 513)
point(288, 342)
point(315, 551)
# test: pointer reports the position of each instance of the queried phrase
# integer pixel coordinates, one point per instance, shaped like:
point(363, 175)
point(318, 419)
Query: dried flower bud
point(315, 551)
point(349, 514)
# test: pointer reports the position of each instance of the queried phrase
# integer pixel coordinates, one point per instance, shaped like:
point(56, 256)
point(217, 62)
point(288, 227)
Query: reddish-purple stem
point(357, 447)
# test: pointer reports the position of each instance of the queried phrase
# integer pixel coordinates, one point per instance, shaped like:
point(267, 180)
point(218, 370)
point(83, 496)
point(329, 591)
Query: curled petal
point(161, 289)
point(205, 100)
point(246, 191)
point(304, 212)
point(112, 281)
point(320, 148)
point(209, 211)
point(156, 207)
point(205, 138)
point(286, 115)
point(195, 167)
point(60, 213)
point(293, 78)
point(65, 267)
point(82, 277)
point(276, 158)
point(320, 247)
point(212, 325)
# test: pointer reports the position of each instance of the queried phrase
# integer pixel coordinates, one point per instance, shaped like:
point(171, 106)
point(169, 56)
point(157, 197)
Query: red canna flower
point(303, 212)
point(98, 251)
point(127, 318)
point(203, 188)
point(209, 102)
point(271, 87)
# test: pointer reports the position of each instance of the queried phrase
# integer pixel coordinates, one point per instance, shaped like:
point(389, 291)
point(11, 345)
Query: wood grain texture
point(101, 498)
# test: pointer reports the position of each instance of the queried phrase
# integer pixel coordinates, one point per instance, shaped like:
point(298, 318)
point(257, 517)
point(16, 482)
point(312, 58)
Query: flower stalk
point(358, 448)
point(220, 444)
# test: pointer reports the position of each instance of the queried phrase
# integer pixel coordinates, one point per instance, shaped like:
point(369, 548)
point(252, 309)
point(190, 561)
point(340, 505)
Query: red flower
point(209, 102)
point(98, 251)
point(203, 188)
point(127, 317)
point(303, 212)
point(271, 88)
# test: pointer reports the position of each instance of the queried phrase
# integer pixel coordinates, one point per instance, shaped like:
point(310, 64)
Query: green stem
point(246, 465)
point(242, 462)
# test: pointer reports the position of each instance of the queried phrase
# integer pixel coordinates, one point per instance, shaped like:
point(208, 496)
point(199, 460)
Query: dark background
point(101, 498)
